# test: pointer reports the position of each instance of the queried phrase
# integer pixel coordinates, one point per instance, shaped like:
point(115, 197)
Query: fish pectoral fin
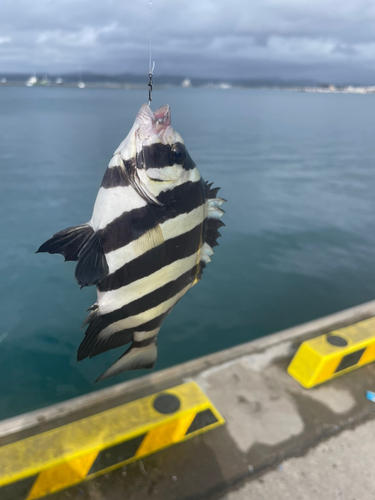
point(152, 240)
point(140, 355)
point(69, 242)
point(92, 265)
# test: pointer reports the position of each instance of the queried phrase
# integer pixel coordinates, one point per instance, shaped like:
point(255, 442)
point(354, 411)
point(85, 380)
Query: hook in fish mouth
point(162, 116)
point(160, 119)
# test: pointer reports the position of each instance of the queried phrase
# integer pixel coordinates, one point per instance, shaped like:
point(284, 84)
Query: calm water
point(298, 171)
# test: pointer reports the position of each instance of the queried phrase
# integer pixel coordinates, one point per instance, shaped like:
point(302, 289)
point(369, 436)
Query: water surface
point(297, 171)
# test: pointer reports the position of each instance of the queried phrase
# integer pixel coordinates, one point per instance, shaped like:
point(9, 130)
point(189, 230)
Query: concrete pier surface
point(279, 441)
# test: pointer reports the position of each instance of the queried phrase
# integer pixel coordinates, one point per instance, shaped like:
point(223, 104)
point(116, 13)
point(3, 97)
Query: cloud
point(87, 36)
point(218, 38)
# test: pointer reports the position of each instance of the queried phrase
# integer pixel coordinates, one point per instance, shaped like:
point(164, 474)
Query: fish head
point(156, 151)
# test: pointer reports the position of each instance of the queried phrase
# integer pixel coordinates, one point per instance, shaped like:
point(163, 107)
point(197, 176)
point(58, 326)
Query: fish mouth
point(162, 117)
point(149, 128)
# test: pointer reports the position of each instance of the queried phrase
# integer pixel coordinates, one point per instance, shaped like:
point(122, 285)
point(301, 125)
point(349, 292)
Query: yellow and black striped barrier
point(334, 353)
point(64, 456)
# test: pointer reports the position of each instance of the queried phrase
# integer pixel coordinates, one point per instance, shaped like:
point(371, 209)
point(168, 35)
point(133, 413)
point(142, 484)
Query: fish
point(153, 228)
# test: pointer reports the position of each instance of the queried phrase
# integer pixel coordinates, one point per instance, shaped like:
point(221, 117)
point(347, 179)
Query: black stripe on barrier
point(350, 360)
point(116, 454)
point(18, 490)
point(202, 419)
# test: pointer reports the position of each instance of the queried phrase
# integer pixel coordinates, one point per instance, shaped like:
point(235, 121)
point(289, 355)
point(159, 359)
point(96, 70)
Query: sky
point(322, 40)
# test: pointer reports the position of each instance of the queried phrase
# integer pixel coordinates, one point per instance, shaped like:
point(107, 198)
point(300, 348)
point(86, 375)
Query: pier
point(279, 440)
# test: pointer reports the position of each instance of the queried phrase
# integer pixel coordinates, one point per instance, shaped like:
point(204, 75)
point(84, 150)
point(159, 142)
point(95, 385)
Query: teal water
point(298, 171)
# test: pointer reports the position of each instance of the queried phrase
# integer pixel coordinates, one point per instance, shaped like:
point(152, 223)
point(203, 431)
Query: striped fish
point(152, 231)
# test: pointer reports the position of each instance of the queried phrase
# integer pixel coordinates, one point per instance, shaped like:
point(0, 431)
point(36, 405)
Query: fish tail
point(69, 242)
point(140, 355)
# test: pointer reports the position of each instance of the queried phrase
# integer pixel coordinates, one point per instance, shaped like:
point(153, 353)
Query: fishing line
point(151, 65)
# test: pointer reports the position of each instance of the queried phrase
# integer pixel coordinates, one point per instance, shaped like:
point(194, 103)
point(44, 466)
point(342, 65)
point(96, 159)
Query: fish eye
point(178, 153)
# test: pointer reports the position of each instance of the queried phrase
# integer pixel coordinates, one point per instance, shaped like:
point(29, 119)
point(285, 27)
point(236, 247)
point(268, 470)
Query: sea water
point(297, 169)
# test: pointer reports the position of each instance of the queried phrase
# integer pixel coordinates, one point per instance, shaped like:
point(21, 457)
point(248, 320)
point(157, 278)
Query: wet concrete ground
point(280, 441)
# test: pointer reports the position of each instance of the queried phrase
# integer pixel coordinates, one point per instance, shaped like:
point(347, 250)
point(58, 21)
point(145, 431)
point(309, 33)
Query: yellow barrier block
point(36, 466)
point(334, 353)
point(62, 476)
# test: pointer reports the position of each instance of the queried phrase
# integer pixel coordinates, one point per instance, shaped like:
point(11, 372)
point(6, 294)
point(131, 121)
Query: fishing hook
point(150, 83)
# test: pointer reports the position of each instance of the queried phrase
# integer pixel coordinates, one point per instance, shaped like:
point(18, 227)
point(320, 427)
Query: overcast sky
point(325, 40)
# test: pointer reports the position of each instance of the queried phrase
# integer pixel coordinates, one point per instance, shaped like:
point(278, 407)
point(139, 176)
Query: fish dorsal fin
point(213, 222)
point(92, 265)
point(69, 242)
point(211, 226)
point(140, 355)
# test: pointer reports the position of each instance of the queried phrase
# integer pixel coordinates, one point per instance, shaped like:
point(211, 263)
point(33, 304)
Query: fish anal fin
point(95, 326)
point(140, 355)
point(118, 339)
point(68, 242)
point(101, 336)
point(92, 316)
point(92, 265)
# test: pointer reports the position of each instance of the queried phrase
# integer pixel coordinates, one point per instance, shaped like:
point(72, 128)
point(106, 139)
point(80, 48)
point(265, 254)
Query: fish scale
point(154, 225)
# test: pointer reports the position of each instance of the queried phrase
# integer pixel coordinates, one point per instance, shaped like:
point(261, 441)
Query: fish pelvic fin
point(140, 355)
point(92, 265)
point(69, 242)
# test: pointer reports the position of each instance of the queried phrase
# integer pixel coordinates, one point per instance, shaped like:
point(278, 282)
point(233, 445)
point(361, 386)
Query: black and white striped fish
point(153, 228)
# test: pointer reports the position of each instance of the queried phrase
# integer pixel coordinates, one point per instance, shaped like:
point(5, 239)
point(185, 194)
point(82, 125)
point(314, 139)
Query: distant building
point(186, 83)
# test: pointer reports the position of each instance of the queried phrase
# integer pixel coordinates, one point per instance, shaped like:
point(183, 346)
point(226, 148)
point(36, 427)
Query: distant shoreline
point(330, 89)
